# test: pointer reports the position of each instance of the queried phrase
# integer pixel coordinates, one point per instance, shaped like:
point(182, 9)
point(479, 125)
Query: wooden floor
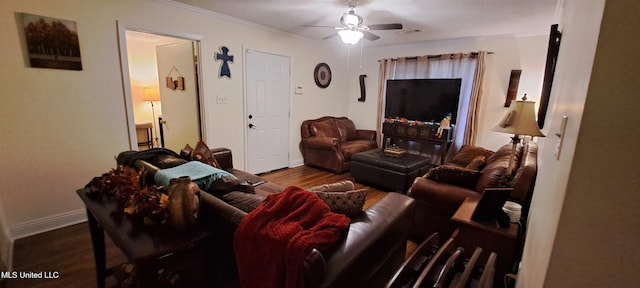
point(68, 251)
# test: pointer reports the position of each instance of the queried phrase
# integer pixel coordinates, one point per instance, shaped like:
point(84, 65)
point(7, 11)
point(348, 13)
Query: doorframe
point(244, 106)
point(126, 77)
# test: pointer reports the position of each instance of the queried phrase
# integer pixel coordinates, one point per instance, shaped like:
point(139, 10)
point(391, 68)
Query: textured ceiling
point(434, 19)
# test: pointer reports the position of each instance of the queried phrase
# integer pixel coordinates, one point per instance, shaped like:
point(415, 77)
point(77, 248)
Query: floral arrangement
point(125, 185)
point(406, 121)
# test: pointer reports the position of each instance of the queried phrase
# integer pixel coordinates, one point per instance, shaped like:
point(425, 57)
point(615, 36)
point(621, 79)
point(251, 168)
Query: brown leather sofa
point(328, 142)
point(367, 254)
point(437, 201)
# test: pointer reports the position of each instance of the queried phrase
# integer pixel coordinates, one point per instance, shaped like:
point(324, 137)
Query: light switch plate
point(560, 134)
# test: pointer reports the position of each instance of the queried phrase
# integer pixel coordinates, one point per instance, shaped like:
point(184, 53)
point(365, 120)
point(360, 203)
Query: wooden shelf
point(422, 133)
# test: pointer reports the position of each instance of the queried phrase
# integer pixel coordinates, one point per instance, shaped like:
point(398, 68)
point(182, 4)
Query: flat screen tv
point(423, 99)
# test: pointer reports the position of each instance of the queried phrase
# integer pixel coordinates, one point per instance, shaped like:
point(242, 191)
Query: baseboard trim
point(296, 162)
point(41, 225)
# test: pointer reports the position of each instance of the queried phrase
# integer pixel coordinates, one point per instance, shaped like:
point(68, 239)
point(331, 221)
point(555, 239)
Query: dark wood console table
point(424, 133)
point(147, 248)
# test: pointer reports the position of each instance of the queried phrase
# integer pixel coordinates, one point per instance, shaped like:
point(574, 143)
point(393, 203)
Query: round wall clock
point(322, 75)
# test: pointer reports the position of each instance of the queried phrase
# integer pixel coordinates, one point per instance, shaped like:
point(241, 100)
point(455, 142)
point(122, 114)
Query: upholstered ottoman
point(397, 174)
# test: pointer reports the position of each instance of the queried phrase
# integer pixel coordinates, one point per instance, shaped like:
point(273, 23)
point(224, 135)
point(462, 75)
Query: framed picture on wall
point(549, 71)
point(51, 42)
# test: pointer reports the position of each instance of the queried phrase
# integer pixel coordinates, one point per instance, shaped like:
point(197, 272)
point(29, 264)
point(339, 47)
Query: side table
point(487, 235)
point(147, 248)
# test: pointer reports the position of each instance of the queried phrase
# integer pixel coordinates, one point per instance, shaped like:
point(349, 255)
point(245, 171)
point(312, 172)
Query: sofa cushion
point(243, 201)
point(477, 163)
point(493, 175)
point(346, 129)
point(326, 128)
point(203, 154)
point(356, 146)
point(454, 175)
point(468, 152)
point(340, 186)
point(505, 153)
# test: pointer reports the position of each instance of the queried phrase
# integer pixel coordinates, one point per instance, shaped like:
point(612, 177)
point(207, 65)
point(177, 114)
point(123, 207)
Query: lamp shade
point(350, 36)
point(520, 120)
point(150, 94)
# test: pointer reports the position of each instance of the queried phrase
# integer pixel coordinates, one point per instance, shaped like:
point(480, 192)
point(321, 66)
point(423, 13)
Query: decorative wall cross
point(225, 71)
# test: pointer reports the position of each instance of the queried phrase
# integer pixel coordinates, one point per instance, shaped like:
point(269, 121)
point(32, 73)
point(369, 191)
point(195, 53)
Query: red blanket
point(272, 242)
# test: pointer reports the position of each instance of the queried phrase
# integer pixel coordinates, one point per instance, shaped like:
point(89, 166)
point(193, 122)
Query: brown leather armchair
point(437, 201)
point(328, 142)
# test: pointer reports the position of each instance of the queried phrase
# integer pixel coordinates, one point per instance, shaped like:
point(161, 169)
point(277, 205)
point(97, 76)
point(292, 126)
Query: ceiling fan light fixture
point(351, 19)
point(349, 36)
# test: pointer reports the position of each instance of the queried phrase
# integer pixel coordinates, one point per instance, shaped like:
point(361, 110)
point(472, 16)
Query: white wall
point(592, 191)
point(580, 27)
point(60, 128)
point(527, 53)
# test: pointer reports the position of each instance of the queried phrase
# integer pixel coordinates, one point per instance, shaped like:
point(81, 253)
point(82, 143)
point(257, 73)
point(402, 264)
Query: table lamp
point(152, 94)
point(520, 120)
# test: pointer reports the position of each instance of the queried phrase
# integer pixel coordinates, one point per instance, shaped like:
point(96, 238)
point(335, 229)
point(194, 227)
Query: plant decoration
point(125, 185)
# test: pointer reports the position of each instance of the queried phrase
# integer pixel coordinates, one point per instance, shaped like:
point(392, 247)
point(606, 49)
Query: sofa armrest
point(444, 196)
point(321, 143)
point(366, 135)
point(224, 157)
point(373, 246)
point(222, 213)
point(149, 171)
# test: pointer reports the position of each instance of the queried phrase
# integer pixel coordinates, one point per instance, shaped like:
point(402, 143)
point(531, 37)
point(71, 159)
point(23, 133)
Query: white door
point(268, 98)
point(180, 108)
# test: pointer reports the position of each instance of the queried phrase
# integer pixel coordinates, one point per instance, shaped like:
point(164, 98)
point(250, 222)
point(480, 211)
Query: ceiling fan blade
point(370, 36)
point(321, 26)
point(330, 36)
point(391, 26)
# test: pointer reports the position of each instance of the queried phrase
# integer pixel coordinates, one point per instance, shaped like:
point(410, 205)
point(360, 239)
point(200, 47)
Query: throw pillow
point(468, 152)
point(454, 175)
point(243, 201)
point(349, 203)
point(229, 184)
point(476, 163)
point(203, 154)
point(185, 153)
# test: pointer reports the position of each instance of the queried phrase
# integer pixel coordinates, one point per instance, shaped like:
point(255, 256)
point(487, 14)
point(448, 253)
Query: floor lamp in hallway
point(152, 94)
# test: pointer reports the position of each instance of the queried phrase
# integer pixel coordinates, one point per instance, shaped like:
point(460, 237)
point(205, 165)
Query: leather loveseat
point(438, 197)
point(329, 142)
point(366, 255)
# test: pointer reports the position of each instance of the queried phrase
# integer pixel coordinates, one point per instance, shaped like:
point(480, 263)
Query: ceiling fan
point(352, 29)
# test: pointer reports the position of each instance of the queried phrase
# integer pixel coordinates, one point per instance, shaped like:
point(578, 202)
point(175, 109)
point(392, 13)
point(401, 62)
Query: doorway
point(268, 98)
point(162, 90)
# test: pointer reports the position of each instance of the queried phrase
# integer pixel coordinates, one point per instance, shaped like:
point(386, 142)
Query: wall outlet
point(221, 99)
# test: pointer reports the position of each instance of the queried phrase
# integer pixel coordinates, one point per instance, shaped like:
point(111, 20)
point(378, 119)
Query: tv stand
point(422, 133)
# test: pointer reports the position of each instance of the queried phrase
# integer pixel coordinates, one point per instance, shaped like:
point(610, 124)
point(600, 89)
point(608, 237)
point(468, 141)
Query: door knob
point(251, 125)
point(250, 116)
